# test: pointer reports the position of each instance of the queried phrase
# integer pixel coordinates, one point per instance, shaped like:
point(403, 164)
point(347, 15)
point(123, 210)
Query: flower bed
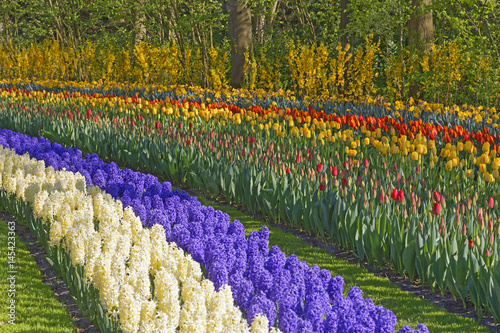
point(262, 280)
point(370, 188)
point(127, 277)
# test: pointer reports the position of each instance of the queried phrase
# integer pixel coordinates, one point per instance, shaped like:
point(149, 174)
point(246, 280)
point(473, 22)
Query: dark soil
point(49, 278)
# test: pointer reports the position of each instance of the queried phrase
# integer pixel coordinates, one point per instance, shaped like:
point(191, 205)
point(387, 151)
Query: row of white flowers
point(120, 258)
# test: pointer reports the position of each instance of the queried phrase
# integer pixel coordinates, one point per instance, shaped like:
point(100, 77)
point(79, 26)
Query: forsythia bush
point(447, 74)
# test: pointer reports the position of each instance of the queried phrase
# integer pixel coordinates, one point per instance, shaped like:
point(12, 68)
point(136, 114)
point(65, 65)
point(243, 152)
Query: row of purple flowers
point(297, 297)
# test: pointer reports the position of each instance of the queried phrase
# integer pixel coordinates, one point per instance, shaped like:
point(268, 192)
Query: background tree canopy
point(404, 31)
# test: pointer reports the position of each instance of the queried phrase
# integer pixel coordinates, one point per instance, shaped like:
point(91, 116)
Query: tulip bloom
point(287, 170)
point(394, 194)
point(491, 202)
point(319, 168)
point(436, 208)
point(321, 187)
point(297, 160)
point(471, 243)
point(401, 195)
point(436, 196)
point(381, 198)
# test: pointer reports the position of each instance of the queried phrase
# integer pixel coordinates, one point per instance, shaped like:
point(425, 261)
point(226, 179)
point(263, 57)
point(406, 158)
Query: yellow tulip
point(486, 147)
point(468, 146)
point(414, 156)
point(488, 177)
point(449, 165)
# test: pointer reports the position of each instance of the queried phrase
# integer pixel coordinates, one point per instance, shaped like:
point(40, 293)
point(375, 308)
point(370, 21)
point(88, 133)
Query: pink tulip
point(491, 202)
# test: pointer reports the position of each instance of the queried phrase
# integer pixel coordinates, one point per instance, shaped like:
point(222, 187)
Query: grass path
point(37, 309)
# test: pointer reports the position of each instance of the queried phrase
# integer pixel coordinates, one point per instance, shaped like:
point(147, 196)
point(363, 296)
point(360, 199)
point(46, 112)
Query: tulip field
point(412, 186)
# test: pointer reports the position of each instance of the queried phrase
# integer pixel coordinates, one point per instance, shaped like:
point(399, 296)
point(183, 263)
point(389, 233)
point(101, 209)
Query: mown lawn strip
point(37, 309)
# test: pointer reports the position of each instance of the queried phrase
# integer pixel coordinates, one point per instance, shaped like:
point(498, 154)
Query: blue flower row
point(290, 293)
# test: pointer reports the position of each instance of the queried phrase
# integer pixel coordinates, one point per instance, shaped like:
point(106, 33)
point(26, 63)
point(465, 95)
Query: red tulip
point(394, 194)
point(359, 181)
point(334, 171)
point(157, 125)
point(252, 140)
point(436, 208)
point(436, 196)
point(491, 202)
point(464, 230)
point(319, 168)
point(322, 187)
point(287, 170)
point(381, 197)
point(471, 243)
point(401, 195)
point(487, 253)
point(297, 160)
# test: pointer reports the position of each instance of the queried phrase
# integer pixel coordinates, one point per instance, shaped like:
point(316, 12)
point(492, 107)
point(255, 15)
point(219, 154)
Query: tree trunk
point(420, 26)
point(260, 22)
point(420, 34)
point(345, 37)
point(139, 27)
point(240, 30)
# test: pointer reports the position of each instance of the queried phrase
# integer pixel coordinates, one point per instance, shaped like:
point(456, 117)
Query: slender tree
point(240, 30)
point(345, 36)
point(420, 33)
point(420, 26)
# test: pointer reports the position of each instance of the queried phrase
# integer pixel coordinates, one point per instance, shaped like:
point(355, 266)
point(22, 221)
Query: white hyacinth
point(120, 256)
point(167, 293)
point(129, 310)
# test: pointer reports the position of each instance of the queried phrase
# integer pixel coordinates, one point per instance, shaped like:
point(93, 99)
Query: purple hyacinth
point(301, 298)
